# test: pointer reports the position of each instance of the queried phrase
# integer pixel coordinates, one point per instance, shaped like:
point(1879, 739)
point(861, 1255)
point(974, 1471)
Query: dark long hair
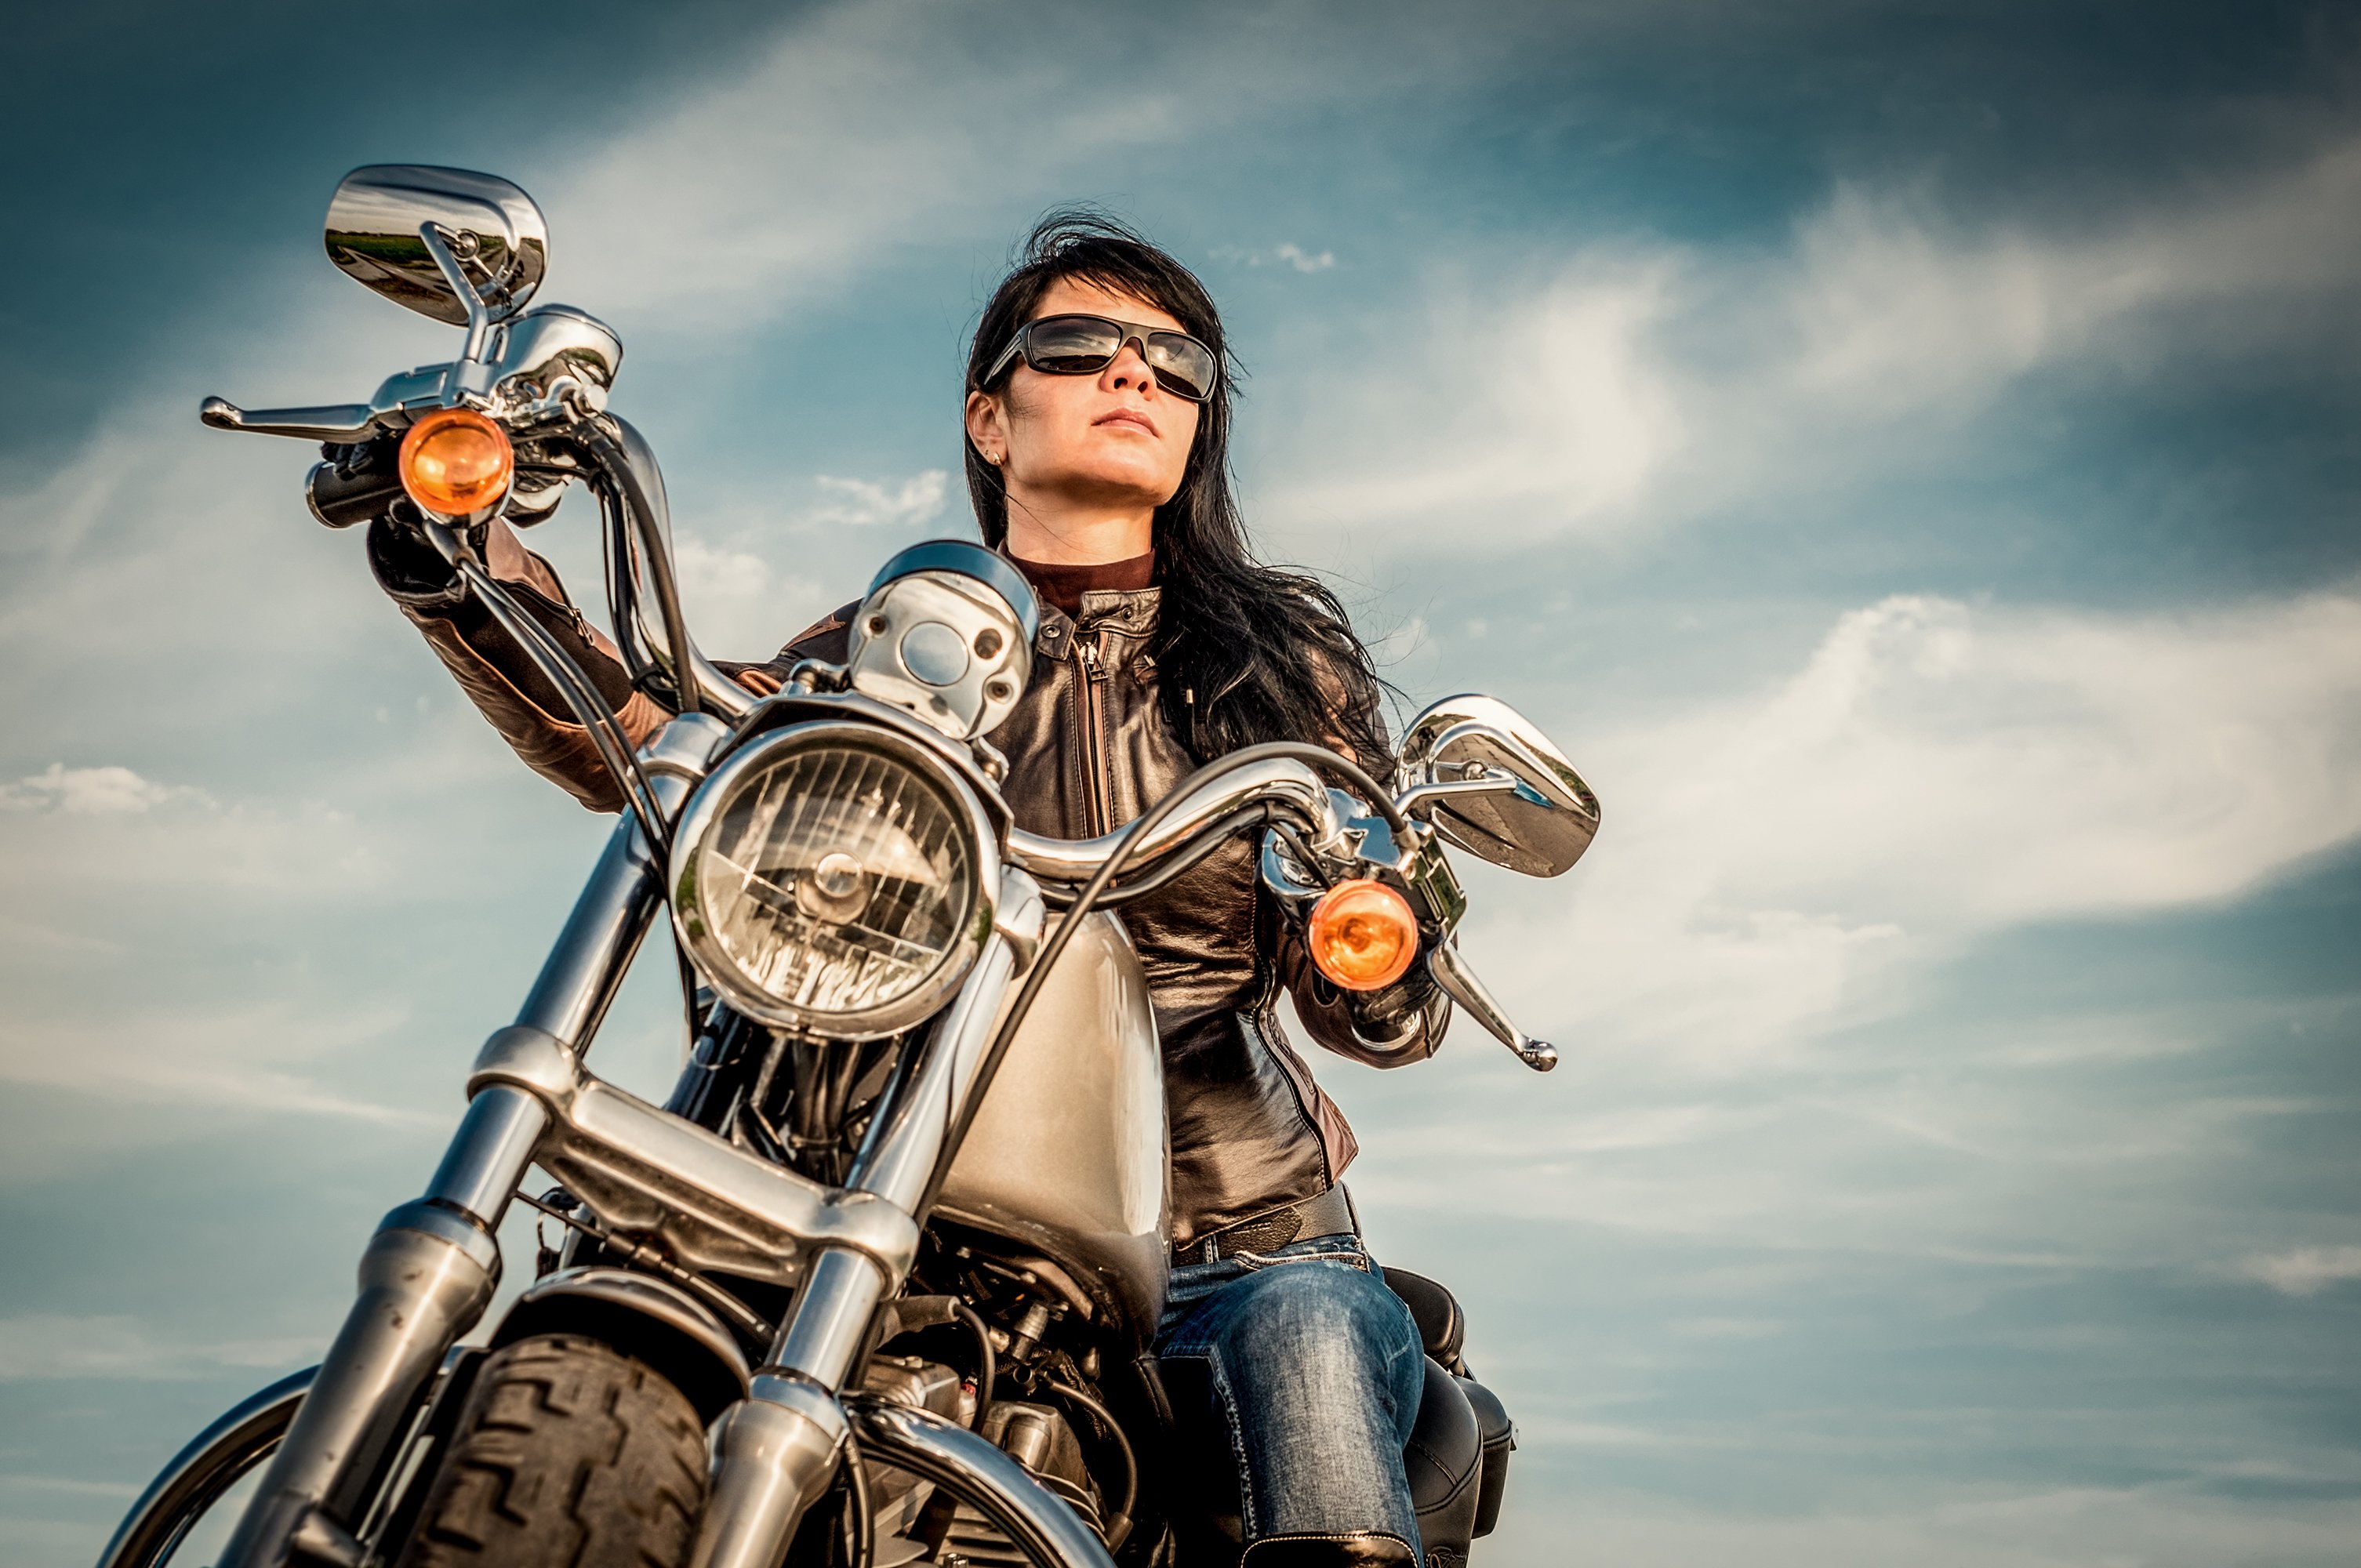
point(1243, 651)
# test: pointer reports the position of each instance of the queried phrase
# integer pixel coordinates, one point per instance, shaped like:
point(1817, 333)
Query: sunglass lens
point(1183, 365)
point(1071, 346)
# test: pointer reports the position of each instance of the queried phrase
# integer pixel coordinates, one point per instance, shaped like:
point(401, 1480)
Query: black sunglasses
point(1083, 346)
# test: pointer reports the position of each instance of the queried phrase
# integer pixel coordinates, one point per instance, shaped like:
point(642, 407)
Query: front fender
point(647, 1319)
point(198, 1476)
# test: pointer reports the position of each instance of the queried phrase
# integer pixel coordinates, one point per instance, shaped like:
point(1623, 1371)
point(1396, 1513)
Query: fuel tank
point(1068, 1155)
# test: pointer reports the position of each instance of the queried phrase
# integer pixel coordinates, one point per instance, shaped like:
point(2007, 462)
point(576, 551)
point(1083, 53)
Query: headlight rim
point(703, 813)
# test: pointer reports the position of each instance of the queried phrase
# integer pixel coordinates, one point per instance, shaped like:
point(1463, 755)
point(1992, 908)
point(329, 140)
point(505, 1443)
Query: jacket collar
point(1130, 614)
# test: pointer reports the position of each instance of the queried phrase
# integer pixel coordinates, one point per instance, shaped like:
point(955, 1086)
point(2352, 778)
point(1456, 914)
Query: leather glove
point(1385, 1016)
point(408, 567)
point(358, 482)
point(355, 483)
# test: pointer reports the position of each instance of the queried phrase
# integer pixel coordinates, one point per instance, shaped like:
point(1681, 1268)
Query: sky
point(1903, 454)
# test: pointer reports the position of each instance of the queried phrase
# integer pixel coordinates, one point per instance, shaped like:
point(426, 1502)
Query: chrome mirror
point(1492, 783)
point(387, 221)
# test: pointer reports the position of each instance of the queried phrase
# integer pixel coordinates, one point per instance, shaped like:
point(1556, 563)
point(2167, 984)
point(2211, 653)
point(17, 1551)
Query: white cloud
point(54, 1345)
point(270, 1059)
point(1935, 771)
point(1287, 254)
point(1637, 383)
point(2305, 1270)
point(731, 596)
point(90, 792)
point(860, 128)
point(1896, 305)
point(867, 503)
point(1739, 972)
point(1557, 412)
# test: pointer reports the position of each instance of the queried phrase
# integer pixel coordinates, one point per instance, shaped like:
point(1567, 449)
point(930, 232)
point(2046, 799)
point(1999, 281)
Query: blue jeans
point(1309, 1370)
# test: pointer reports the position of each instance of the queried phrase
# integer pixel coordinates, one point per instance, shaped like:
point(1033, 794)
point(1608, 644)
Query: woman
point(1097, 419)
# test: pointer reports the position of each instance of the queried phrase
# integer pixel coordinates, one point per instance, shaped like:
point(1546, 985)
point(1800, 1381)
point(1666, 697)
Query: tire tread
point(569, 1455)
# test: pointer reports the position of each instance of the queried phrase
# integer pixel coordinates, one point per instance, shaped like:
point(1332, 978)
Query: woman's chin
point(1107, 487)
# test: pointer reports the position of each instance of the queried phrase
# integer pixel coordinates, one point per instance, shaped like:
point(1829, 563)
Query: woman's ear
point(987, 428)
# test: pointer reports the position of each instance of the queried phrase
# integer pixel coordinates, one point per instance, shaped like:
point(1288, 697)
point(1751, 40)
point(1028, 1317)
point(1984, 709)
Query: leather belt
point(1329, 1214)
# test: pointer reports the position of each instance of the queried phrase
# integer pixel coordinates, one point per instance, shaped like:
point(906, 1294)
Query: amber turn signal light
point(456, 463)
point(1362, 934)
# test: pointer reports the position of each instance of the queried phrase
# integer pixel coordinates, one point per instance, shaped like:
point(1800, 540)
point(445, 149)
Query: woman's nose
point(1127, 371)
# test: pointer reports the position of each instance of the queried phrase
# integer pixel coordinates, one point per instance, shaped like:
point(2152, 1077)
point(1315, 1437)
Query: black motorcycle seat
point(1457, 1456)
point(1441, 1324)
point(1444, 1462)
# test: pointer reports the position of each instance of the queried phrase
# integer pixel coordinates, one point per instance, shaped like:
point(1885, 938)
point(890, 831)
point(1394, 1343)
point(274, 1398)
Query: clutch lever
point(1459, 982)
point(335, 422)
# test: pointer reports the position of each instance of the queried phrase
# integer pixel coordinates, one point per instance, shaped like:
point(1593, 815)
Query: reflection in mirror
point(496, 234)
point(1493, 784)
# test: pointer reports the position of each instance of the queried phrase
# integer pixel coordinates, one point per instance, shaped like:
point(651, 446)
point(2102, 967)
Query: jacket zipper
point(1094, 716)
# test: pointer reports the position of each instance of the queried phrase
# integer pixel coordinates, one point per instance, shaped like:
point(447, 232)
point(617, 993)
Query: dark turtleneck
point(1064, 586)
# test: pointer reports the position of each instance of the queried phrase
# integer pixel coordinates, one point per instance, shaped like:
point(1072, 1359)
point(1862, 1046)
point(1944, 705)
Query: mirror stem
point(1411, 799)
point(480, 314)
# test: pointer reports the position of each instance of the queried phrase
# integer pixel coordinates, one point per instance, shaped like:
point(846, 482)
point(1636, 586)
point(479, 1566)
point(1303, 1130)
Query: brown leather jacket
point(1088, 750)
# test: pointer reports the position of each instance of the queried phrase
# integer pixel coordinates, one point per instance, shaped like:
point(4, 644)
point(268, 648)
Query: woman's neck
point(1040, 529)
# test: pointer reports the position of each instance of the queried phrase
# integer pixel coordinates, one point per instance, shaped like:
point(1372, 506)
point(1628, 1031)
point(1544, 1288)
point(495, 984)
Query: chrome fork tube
point(431, 1269)
point(774, 1453)
point(426, 1276)
point(577, 982)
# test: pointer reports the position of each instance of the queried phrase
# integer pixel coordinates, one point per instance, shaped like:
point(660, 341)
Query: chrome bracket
point(707, 1202)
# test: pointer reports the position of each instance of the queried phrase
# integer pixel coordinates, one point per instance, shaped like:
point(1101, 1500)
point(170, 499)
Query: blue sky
point(1903, 453)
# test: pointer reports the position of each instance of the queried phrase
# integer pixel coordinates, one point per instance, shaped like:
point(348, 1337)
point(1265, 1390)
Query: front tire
point(569, 1455)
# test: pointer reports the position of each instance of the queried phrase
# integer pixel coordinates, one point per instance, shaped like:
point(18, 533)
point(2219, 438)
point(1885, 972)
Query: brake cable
point(581, 694)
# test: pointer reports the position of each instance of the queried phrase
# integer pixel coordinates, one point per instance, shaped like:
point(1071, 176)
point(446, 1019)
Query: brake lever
point(347, 423)
point(1459, 982)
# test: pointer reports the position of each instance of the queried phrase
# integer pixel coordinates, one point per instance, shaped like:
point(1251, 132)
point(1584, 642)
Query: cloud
point(1935, 771)
point(1745, 973)
point(1897, 305)
point(90, 792)
point(1559, 411)
point(84, 829)
point(860, 130)
point(55, 1345)
point(1287, 254)
point(2305, 1270)
point(1633, 383)
point(864, 503)
point(269, 1058)
point(732, 595)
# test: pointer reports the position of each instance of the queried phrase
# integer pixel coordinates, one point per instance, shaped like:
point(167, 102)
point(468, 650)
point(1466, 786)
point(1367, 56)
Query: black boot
point(1360, 1549)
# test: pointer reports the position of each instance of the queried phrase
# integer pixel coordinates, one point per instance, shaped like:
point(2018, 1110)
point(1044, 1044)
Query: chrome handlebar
point(1293, 783)
point(1277, 780)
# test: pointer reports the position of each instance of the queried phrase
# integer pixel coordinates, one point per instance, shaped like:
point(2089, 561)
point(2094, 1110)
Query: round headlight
point(829, 877)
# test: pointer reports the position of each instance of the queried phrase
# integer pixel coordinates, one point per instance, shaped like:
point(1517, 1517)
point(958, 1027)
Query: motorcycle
point(877, 1283)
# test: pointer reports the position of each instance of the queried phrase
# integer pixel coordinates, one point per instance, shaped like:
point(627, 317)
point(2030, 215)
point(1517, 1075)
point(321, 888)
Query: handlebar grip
point(340, 501)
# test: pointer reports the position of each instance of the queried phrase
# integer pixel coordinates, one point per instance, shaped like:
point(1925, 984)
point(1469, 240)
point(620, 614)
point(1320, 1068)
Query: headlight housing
point(834, 877)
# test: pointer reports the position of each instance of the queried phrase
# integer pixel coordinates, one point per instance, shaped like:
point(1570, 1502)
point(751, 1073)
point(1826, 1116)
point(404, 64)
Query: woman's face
point(1112, 442)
